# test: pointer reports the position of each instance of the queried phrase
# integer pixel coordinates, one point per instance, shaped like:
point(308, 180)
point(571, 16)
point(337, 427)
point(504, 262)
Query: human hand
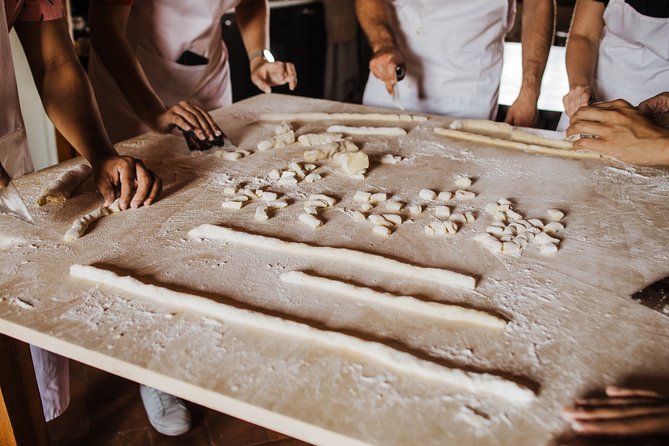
point(658, 108)
point(621, 131)
point(266, 75)
point(622, 413)
point(127, 178)
point(187, 116)
point(523, 112)
point(576, 98)
point(4, 177)
point(383, 64)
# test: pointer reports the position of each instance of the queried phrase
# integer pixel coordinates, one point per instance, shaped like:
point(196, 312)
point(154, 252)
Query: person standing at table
point(157, 64)
point(617, 49)
point(453, 51)
point(68, 100)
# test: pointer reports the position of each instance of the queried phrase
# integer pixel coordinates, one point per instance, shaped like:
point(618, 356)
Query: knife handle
point(400, 72)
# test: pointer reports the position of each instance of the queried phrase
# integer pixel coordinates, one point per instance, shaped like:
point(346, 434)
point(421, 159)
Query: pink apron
point(51, 370)
point(453, 51)
point(160, 31)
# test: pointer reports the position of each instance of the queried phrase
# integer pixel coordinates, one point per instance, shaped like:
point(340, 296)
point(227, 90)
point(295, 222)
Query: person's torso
point(633, 56)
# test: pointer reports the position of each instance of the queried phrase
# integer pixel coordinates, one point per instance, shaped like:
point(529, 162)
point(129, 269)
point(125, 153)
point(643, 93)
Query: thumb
point(107, 190)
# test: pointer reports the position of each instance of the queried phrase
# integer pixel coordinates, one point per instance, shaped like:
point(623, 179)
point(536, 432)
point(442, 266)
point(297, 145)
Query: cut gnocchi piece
point(555, 214)
point(451, 227)
point(461, 194)
point(463, 181)
point(329, 200)
point(378, 197)
point(416, 209)
point(362, 196)
point(458, 217)
point(310, 220)
point(394, 206)
point(381, 231)
point(358, 216)
point(277, 204)
point(232, 204)
point(553, 227)
point(442, 211)
point(544, 239)
point(549, 248)
point(311, 210)
point(393, 218)
point(427, 194)
point(312, 178)
point(444, 196)
point(470, 217)
point(366, 207)
point(261, 213)
point(378, 220)
point(268, 196)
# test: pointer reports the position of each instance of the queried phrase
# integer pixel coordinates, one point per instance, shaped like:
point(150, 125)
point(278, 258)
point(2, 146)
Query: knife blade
point(12, 204)
point(400, 72)
point(655, 296)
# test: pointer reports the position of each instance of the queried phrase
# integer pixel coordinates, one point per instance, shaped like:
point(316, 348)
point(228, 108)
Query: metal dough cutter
point(12, 204)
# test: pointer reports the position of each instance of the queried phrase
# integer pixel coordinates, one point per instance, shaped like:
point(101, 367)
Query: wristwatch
point(264, 53)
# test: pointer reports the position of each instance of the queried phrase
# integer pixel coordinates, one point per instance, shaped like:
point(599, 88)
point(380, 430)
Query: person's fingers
point(629, 392)
point(292, 76)
point(198, 114)
point(616, 401)
point(4, 177)
point(616, 103)
point(259, 80)
point(181, 122)
point(592, 144)
point(657, 104)
point(614, 412)
point(127, 177)
point(192, 120)
point(627, 427)
point(156, 189)
point(390, 87)
point(598, 129)
point(212, 124)
point(144, 183)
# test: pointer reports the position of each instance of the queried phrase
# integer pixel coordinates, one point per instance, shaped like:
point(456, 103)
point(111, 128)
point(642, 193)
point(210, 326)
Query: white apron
point(160, 31)
point(453, 51)
point(51, 371)
point(633, 57)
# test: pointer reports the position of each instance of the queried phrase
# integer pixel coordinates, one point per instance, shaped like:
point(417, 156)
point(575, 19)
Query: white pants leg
point(53, 380)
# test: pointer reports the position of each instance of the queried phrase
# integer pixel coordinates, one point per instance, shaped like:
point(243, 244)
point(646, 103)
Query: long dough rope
point(451, 313)
point(343, 255)
point(373, 131)
point(62, 187)
point(506, 143)
point(482, 383)
point(80, 226)
point(379, 117)
point(506, 130)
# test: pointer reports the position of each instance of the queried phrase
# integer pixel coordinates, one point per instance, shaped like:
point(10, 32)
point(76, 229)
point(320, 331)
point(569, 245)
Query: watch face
point(268, 56)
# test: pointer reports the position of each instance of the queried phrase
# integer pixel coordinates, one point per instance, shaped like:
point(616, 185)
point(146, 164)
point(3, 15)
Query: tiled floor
point(106, 410)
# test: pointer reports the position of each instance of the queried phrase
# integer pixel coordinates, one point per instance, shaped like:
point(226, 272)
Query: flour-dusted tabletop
point(572, 328)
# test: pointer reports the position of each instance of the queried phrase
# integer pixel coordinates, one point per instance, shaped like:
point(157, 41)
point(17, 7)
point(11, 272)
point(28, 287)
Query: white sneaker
point(167, 413)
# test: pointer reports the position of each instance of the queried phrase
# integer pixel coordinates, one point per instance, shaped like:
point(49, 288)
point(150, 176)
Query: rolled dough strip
point(80, 226)
point(62, 187)
point(343, 255)
point(508, 132)
point(377, 117)
point(479, 383)
point(451, 313)
point(529, 148)
point(375, 131)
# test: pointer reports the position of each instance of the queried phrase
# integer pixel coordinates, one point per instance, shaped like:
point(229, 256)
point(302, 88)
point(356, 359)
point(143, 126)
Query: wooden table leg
point(21, 417)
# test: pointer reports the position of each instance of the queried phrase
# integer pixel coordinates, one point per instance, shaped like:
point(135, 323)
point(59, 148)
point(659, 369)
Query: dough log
point(343, 255)
point(478, 383)
point(62, 187)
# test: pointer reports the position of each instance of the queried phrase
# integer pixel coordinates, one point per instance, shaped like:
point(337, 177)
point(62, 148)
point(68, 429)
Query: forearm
point(114, 51)
point(538, 25)
point(253, 20)
point(580, 60)
point(375, 22)
point(69, 101)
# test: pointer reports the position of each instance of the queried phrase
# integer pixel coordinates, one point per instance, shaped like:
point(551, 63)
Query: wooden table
point(572, 327)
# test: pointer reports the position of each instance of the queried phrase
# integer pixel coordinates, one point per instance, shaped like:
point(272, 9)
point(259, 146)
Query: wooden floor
point(106, 410)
